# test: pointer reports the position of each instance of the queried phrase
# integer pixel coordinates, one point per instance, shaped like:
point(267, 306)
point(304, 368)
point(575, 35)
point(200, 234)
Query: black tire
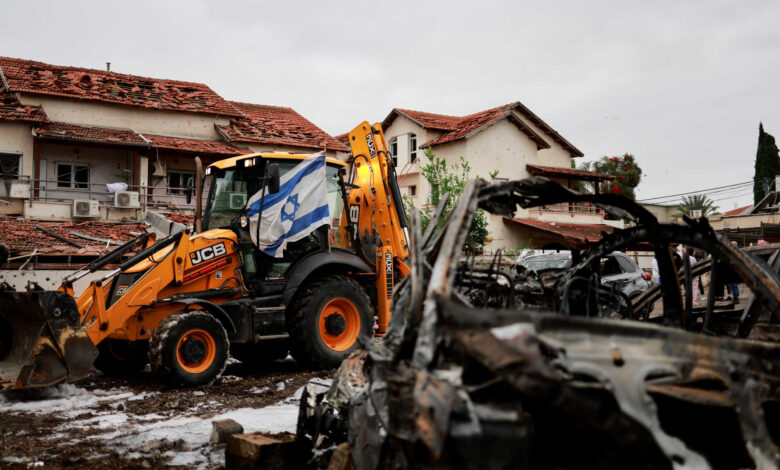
point(308, 345)
point(259, 354)
point(189, 349)
point(118, 357)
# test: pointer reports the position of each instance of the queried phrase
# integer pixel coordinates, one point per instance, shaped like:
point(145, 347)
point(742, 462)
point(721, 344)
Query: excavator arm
point(376, 214)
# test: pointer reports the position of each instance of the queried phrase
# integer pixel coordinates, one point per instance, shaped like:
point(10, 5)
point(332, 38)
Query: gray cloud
point(682, 85)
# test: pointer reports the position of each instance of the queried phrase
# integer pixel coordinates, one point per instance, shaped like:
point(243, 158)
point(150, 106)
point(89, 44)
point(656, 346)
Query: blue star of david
point(290, 208)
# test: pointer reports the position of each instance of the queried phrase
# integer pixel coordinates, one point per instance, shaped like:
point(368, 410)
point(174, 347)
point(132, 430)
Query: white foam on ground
point(132, 432)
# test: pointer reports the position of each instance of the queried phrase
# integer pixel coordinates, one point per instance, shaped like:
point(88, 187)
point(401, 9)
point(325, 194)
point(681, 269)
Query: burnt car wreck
point(478, 370)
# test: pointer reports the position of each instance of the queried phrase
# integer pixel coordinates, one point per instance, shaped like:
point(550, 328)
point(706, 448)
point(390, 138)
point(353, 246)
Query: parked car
point(616, 269)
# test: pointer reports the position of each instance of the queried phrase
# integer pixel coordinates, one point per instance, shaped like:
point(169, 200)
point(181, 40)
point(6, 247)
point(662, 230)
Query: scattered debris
point(493, 381)
point(222, 429)
point(58, 236)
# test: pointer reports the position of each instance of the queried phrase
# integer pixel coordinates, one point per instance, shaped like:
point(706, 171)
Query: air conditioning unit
point(695, 213)
point(237, 201)
point(126, 199)
point(85, 208)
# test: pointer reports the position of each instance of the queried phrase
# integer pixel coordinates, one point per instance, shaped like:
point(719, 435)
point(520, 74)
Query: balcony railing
point(148, 196)
point(583, 208)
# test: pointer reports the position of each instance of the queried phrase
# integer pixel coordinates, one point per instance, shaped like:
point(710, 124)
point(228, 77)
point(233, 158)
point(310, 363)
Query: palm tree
point(697, 202)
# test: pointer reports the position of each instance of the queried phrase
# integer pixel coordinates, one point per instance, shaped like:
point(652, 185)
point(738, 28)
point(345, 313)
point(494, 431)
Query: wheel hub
point(193, 350)
point(335, 324)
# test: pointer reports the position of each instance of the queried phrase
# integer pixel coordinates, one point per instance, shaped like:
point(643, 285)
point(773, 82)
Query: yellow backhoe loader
point(184, 302)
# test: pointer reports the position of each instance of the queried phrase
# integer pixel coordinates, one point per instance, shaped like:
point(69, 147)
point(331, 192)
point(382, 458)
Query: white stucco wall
point(554, 156)
point(152, 121)
point(17, 138)
point(106, 165)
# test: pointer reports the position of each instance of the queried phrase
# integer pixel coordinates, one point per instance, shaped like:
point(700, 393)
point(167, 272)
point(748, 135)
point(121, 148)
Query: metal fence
point(148, 196)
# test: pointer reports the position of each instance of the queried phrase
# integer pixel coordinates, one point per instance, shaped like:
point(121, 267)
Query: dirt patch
point(121, 423)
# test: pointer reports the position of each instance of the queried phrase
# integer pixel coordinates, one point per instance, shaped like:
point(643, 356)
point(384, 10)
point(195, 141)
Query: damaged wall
point(153, 121)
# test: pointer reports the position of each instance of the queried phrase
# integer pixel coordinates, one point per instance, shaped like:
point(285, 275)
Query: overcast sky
point(681, 85)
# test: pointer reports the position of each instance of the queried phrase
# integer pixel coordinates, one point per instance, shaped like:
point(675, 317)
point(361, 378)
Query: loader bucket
point(41, 340)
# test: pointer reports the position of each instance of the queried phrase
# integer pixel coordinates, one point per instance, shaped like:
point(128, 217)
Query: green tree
point(579, 185)
point(626, 171)
point(698, 202)
point(452, 180)
point(767, 165)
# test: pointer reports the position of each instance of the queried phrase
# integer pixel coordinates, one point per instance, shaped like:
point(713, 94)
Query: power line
point(699, 191)
point(721, 193)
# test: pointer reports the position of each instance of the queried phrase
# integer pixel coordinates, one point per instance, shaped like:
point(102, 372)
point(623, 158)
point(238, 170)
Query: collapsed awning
point(573, 173)
point(58, 131)
point(89, 134)
point(571, 236)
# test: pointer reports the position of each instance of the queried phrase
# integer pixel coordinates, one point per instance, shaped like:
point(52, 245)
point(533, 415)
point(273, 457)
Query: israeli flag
point(300, 206)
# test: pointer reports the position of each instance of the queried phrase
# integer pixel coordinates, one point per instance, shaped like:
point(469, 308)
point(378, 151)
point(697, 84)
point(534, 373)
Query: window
point(610, 266)
point(177, 181)
point(394, 152)
point(10, 166)
point(413, 190)
point(626, 264)
point(72, 175)
point(412, 148)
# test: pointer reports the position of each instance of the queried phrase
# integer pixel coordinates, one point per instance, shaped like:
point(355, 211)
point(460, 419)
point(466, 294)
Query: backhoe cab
point(185, 302)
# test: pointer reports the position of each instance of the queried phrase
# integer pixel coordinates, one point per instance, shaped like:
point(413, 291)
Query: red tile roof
point(554, 171)
point(112, 136)
point(27, 76)
point(431, 121)
point(575, 235)
point(737, 211)
point(183, 144)
point(457, 128)
point(12, 110)
point(343, 138)
point(21, 237)
point(90, 134)
point(277, 126)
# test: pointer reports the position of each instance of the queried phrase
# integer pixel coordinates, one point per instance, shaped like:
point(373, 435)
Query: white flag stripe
point(300, 206)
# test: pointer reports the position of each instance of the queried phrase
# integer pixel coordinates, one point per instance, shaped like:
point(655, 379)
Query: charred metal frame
point(454, 385)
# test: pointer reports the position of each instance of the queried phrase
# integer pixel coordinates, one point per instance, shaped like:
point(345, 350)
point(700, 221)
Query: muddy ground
point(136, 422)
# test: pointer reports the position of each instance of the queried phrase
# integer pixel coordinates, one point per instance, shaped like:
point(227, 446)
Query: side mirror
point(273, 178)
point(189, 189)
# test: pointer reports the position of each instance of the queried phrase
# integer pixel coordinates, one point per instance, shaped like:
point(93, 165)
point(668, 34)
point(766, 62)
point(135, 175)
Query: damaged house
point(516, 142)
point(67, 132)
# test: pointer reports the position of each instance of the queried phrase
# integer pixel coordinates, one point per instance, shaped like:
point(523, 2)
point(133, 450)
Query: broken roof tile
point(90, 134)
point(21, 237)
point(12, 110)
point(27, 76)
point(277, 126)
point(184, 144)
point(456, 128)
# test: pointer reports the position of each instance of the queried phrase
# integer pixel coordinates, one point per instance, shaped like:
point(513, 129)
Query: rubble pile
point(494, 382)
point(180, 218)
point(22, 237)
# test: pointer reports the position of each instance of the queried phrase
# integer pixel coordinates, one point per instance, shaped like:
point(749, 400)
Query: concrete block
point(260, 451)
point(221, 429)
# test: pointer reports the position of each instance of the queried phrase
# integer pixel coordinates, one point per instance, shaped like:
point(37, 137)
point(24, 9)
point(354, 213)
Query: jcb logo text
point(208, 253)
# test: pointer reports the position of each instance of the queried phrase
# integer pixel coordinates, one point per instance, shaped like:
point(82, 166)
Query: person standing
point(733, 281)
point(691, 254)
